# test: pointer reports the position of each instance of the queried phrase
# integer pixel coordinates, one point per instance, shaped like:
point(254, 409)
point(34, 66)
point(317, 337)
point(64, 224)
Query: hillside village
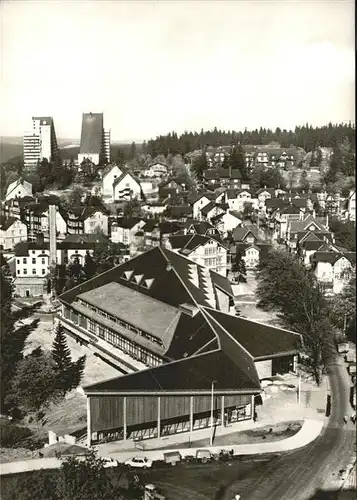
point(214, 220)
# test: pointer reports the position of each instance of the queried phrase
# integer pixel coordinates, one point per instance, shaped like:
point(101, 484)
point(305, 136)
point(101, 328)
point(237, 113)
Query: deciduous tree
point(287, 286)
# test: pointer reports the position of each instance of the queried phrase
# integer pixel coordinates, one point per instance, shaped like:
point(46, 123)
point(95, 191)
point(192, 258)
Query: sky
point(156, 66)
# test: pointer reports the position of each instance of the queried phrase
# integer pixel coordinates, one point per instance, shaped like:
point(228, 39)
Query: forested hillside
point(307, 137)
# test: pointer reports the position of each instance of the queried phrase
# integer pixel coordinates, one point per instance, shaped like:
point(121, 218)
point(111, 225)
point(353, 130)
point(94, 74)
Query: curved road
point(301, 474)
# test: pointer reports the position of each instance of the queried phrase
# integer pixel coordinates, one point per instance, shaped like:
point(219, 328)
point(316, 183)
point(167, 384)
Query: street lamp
point(212, 389)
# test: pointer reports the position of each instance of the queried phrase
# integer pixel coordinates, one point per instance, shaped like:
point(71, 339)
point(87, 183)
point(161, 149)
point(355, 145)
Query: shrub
point(13, 436)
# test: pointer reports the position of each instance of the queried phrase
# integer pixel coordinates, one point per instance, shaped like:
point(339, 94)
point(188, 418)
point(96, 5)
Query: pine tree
point(238, 268)
point(60, 350)
point(237, 161)
point(13, 336)
point(90, 266)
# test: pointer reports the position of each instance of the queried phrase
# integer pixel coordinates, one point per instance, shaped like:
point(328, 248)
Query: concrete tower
point(53, 244)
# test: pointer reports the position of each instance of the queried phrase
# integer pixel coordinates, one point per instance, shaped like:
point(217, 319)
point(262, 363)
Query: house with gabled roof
point(245, 234)
point(124, 229)
point(110, 174)
point(12, 231)
point(209, 211)
point(236, 198)
point(333, 269)
point(18, 189)
point(208, 251)
point(309, 242)
point(227, 222)
point(169, 189)
point(162, 319)
point(252, 253)
point(199, 201)
point(192, 226)
point(126, 187)
point(306, 223)
point(222, 177)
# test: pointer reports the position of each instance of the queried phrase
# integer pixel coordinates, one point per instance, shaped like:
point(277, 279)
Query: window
point(43, 261)
point(34, 261)
point(25, 271)
point(18, 261)
point(33, 271)
point(18, 271)
point(91, 326)
point(24, 260)
point(33, 251)
point(43, 271)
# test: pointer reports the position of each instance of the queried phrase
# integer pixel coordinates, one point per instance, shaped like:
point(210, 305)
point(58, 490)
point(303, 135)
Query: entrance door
point(27, 293)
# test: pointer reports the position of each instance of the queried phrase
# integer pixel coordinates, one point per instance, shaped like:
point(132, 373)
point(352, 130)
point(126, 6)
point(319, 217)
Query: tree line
point(306, 137)
point(288, 287)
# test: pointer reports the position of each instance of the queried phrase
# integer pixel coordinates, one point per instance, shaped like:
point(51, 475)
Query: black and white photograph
point(178, 250)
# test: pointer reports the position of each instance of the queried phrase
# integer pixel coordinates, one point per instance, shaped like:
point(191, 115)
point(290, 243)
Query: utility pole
point(212, 401)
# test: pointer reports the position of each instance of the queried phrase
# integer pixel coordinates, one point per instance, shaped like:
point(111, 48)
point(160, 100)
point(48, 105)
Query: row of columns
point(191, 415)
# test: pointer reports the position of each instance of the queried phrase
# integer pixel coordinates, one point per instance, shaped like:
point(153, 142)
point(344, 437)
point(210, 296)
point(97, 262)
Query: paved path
point(309, 431)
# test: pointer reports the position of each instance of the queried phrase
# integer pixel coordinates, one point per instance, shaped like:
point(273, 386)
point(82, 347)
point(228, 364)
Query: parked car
point(110, 462)
point(139, 462)
point(151, 492)
point(205, 456)
point(172, 457)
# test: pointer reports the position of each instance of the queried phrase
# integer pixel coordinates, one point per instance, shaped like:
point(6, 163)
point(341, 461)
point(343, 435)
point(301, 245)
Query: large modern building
point(40, 142)
point(164, 321)
point(95, 141)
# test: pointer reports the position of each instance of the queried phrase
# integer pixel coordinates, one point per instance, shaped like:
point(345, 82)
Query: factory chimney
point(53, 245)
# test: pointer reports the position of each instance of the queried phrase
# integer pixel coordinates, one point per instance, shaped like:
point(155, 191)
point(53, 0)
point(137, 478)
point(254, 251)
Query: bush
point(14, 436)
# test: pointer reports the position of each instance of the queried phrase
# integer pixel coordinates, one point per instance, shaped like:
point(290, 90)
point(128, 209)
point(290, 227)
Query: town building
point(95, 141)
point(333, 269)
point(126, 187)
point(164, 321)
point(32, 263)
point(305, 223)
point(18, 189)
point(12, 231)
point(156, 169)
point(228, 221)
point(40, 143)
point(124, 229)
point(169, 190)
point(207, 251)
point(109, 176)
point(87, 219)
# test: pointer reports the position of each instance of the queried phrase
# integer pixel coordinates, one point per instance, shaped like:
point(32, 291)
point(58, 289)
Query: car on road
point(139, 462)
point(110, 462)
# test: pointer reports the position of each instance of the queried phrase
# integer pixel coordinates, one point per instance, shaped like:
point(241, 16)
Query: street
point(300, 475)
point(297, 475)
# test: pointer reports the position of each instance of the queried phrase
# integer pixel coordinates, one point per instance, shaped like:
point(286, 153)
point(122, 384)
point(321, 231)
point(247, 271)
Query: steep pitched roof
point(296, 226)
point(240, 233)
point(127, 222)
point(207, 208)
point(5, 224)
point(260, 340)
point(122, 176)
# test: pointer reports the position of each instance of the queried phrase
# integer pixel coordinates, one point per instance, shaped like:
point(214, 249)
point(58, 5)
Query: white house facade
point(18, 189)
point(109, 177)
point(126, 187)
point(12, 231)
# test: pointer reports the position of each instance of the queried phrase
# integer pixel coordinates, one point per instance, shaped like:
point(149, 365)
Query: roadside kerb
point(309, 431)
